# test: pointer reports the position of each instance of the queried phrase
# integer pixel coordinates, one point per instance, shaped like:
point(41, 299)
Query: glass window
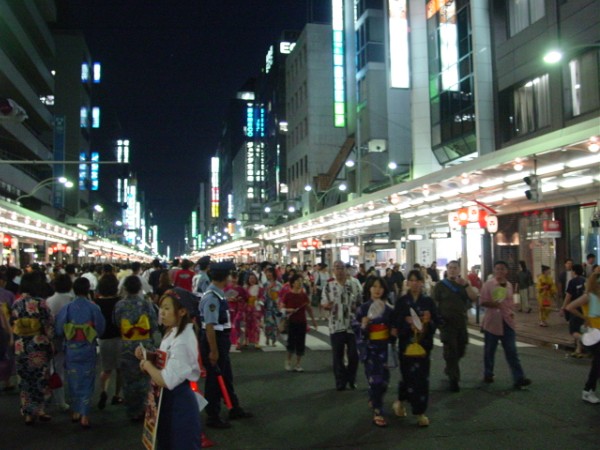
point(583, 86)
point(531, 106)
point(523, 13)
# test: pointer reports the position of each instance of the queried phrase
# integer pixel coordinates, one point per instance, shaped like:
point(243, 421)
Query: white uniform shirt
point(182, 357)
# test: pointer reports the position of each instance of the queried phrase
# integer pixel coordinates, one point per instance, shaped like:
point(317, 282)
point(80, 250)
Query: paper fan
point(416, 321)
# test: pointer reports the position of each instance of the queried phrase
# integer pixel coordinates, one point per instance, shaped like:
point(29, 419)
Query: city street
point(302, 410)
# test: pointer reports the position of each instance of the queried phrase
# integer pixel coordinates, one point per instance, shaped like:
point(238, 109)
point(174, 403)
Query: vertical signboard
point(399, 49)
point(339, 89)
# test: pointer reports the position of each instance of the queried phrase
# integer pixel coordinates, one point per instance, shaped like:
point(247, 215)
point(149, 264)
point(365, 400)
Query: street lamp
point(391, 166)
point(48, 181)
point(342, 187)
point(80, 216)
point(555, 55)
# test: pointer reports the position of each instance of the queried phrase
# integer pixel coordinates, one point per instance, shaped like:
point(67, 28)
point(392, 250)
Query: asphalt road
point(303, 410)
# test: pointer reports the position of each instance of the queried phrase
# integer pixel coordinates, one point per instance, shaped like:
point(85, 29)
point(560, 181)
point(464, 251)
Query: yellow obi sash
point(137, 331)
point(594, 321)
point(79, 333)
point(27, 326)
point(252, 300)
point(378, 332)
point(5, 310)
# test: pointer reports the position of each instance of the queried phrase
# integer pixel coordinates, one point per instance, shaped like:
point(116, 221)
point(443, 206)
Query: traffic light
point(534, 193)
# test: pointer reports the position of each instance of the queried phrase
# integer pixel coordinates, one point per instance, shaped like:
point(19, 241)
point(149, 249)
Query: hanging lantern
point(473, 213)
point(463, 217)
point(453, 221)
point(491, 223)
point(482, 218)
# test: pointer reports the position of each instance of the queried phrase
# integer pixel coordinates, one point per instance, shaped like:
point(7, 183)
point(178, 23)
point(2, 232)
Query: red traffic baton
point(224, 391)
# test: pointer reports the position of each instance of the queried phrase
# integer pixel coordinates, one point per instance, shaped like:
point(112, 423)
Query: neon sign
point(339, 94)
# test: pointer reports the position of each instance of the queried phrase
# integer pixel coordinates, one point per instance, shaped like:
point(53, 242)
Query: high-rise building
point(27, 93)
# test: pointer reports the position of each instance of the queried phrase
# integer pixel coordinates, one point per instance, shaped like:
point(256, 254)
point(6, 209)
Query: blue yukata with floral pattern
point(134, 310)
point(375, 355)
point(33, 351)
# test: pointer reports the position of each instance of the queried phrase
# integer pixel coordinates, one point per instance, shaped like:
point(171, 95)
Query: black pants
point(296, 341)
point(344, 342)
point(594, 374)
point(212, 391)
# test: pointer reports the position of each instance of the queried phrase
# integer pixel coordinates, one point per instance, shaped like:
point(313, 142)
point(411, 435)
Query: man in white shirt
point(135, 271)
point(341, 296)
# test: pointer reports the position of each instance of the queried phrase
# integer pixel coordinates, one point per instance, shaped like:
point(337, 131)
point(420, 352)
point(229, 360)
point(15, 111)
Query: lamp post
point(80, 216)
point(391, 166)
point(47, 182)
point(342, 187)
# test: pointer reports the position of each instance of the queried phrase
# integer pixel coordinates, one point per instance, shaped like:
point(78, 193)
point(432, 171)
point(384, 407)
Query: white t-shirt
point(182, 357)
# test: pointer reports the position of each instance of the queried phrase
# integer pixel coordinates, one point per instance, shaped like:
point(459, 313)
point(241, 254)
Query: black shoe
point(352, 386)
point(103, 399)
point(340, 387)
point(523, 382)
point(488, 379)
point(454, 387)
point(217, 422)
point(238, 413)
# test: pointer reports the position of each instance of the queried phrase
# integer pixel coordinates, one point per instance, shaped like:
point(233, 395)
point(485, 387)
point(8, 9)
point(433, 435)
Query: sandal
point(76, 417)
point(379, 421)
point(85, 423)
point(116, 400)
point(29, 420)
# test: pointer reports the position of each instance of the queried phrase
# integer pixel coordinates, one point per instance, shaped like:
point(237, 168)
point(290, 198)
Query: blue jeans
point(509, 344)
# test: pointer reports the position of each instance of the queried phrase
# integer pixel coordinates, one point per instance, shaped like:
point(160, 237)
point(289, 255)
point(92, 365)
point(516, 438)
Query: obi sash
point(379, 332)
point(252, 300)
point(79, 333)
point(137, 331)
point(5, 310)
point(27, 326)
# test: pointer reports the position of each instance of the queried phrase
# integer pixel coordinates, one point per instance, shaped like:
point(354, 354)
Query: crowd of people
point(53, 318)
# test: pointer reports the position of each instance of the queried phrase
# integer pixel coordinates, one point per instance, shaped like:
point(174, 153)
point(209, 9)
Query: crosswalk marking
point(318, 340)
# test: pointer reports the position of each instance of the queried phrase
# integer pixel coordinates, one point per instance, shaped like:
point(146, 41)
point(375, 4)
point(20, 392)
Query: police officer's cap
point(225, 266)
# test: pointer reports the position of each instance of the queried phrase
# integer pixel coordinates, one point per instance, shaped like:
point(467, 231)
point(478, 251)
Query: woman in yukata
point(375, 319)
point(236, 298)
point(415, 323)
point(136, 319)
point(254, 310)
point(80, 322)
point(271, 299)
point(33, 328)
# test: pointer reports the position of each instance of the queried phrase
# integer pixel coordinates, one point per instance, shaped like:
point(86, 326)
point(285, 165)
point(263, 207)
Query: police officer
point(214, 346)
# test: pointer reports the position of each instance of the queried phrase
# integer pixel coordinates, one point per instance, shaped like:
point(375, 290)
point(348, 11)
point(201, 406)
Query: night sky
point(169, 70)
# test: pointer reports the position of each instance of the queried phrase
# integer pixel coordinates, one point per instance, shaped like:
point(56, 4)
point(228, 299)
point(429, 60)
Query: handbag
point(590, 336)
point(54, 382)
point(283, 325)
